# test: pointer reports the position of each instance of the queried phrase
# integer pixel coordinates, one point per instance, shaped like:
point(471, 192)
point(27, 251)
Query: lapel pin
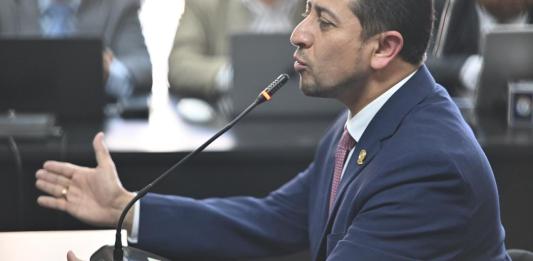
point(361, 158)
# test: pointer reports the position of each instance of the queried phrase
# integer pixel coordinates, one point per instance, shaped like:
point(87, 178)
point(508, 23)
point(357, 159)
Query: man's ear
point(389, 45)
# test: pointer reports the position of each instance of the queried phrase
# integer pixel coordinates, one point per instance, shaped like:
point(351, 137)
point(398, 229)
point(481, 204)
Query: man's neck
point(379, 82)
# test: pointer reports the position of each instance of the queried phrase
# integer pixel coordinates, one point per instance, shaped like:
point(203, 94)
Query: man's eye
point(324, 24)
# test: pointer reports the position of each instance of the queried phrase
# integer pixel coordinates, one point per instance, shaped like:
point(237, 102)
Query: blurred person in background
point(199, 63)
point(458, 62)
point(127, 67)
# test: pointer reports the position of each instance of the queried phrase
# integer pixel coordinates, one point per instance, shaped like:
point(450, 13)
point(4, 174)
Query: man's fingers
point(52, 178)
point(100, 149)
point(53, 203)
point(62, 168)
point(50, 188)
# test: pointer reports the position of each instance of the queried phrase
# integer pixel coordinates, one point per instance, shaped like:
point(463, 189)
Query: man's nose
point(301, 37)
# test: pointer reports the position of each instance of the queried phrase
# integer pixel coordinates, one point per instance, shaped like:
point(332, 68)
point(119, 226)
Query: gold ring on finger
point(64, 192)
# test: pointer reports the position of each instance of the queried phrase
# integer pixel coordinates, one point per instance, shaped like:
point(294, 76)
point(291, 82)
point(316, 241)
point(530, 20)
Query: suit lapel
point(382, 126)
point(385, 123)
point(92, 17)
point(324, 190)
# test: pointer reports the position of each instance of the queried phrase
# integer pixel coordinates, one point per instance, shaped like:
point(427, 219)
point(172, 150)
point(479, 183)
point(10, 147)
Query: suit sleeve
point(238, 227)
point(128, 45)
point(193, 62)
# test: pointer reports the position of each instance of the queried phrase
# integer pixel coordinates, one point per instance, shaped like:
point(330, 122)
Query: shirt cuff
point(133, 237)
point(119, 84)
point(224, 78)
point(471, 71)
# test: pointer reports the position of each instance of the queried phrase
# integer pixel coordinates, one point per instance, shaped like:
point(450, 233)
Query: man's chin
point(312, 91)
point(310, 88)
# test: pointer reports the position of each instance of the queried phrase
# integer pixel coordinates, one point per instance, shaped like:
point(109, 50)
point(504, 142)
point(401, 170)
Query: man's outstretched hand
point(93, 195)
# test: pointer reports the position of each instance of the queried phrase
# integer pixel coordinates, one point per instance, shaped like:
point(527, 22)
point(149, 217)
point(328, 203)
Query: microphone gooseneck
point(272, 88)
point(265, 95)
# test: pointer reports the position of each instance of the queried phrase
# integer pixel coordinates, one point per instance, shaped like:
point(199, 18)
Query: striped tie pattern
point(346, 143)
point(60, 16)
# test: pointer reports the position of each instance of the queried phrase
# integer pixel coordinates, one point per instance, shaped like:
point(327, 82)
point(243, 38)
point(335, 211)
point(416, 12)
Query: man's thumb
point(72, 257)
point(103, 158)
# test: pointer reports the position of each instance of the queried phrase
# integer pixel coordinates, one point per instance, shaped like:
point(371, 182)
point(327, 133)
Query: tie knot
point(346, 142)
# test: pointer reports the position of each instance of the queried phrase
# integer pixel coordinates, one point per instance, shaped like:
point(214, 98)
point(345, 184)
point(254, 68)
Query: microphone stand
point(120, 253)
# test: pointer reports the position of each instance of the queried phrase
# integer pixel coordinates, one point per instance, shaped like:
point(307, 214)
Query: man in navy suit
point(400, 176)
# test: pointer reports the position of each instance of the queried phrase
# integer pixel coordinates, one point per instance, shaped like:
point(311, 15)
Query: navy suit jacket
point(425, 191)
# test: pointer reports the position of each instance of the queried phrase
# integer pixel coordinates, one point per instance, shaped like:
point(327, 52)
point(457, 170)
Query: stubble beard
point(335, 90)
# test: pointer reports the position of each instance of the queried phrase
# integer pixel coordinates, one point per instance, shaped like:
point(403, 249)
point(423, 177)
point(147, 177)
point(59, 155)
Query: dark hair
point(413, 19)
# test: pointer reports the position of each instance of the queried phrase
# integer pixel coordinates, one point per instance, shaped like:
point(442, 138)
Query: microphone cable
point(264, 96)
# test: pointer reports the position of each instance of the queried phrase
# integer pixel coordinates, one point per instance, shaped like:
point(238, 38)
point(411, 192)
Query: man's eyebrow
point(320, 9)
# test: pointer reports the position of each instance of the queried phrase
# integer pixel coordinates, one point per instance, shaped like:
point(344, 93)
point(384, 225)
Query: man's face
point(331, 57)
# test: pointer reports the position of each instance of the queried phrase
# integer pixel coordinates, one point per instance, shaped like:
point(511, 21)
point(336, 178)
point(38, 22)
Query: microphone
point(118, 252)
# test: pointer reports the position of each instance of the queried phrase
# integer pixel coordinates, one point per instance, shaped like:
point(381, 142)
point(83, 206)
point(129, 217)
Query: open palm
point(93, 195)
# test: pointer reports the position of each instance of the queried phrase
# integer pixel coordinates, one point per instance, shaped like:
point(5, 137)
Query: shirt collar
point(358, 123)
point(45, 4)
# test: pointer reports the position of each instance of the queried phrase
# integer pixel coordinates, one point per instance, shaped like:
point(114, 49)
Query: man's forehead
point(331, 1)
point(340, 9)
point(332, 5)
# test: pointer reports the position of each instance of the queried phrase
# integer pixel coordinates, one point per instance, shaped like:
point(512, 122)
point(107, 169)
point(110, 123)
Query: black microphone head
point(277, 83)
point(273, 87)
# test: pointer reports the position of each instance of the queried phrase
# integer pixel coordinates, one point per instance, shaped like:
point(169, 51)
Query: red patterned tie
point(346, 143)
